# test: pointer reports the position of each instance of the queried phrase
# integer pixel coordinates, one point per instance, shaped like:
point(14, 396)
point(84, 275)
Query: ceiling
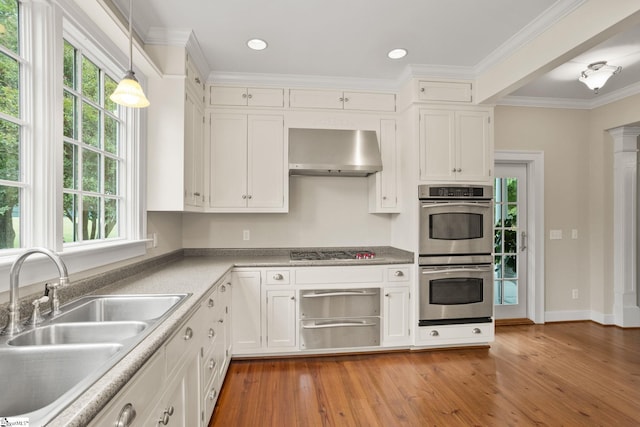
point(333, 40)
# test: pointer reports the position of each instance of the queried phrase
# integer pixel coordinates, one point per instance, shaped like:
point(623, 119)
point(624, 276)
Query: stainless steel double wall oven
point(456, 241)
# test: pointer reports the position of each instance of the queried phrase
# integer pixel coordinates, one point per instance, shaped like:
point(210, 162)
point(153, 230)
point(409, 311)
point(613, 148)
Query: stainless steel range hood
point(333, 152)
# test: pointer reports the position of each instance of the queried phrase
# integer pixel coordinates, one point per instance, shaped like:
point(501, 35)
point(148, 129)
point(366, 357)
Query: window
point(92, 193)
point(11, 170)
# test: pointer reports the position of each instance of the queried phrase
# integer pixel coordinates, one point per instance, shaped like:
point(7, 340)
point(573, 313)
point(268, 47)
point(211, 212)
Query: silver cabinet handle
point(434, 333)
point(338, 294)
point(398, 273)
point(278, 276)
point(338, 324)
point(213, 393)
point(196, 194)
point(127, 415)
point(166, 415)
point(188, 334)
point(476, 331)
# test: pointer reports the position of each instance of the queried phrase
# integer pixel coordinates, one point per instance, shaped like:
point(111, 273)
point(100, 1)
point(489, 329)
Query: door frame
point(534, 160)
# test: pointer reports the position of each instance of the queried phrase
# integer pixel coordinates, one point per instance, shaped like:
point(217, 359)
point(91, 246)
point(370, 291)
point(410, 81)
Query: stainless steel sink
point(37, 380)
point(44, 369)
point(80, 333)
point(118, 308)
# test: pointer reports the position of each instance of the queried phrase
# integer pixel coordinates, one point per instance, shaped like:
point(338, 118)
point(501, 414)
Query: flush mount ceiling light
point(257, 44)
point(397, 53)
point(129, 93)
point(597, 74)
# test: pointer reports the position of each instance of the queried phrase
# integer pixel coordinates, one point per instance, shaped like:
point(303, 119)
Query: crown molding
point(183, 37)
point(547, 19)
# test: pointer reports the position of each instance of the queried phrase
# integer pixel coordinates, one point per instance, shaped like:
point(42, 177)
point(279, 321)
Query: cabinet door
point(266, 167)
point(388, 182)
point(223, 95)
point(281, 319)
point(299, 98)
point(194, 153)
point(396, 316)
point(437, 145)
point(370, 101)
point(228, 162)
point(265, 97)
point(474, 151)
point(246, 315)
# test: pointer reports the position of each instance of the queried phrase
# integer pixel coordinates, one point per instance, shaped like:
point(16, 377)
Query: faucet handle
point(36, 316)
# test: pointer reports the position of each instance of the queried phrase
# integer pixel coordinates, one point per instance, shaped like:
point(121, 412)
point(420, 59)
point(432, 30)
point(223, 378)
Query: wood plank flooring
point(559, 374)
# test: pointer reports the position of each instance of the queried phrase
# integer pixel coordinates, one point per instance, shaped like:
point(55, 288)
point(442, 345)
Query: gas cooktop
point(332, 255)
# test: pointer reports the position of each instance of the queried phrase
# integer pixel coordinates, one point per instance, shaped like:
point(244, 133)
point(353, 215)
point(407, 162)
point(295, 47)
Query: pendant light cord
point(130, 35)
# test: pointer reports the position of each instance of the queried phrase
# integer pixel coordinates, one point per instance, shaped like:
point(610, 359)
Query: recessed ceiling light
point(257, 44)
point(397, 53)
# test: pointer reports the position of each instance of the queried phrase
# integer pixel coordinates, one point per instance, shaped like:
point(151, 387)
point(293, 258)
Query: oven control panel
point(455, 192)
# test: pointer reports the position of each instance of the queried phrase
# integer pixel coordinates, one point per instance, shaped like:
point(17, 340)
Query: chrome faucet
point(13, 323)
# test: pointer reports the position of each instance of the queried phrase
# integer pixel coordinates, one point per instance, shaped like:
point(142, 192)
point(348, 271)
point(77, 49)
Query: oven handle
point(464, 204)
point(339, 294)
point(339, 324)
point(440, 270)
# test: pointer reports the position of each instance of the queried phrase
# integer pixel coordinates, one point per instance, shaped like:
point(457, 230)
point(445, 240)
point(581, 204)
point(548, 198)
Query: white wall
point(323, 211)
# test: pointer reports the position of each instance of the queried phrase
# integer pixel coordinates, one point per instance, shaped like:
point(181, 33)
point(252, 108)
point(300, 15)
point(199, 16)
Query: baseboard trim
point(513, 322)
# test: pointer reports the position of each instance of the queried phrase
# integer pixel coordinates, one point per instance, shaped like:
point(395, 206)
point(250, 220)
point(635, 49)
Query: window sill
point(38, 268)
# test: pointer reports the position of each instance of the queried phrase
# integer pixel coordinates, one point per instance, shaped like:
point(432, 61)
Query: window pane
point(70, 116)
point(70, 218)
point(510, 290)
point(9, 31)
point(512, 189)
point(498, 215)
point(510, 242)
point(9, 151)
point(9, 86)
point(90, 218)
point(90, 125)
point(109, 87)
point(70, 173)
point(498, 189)
point(111, 135)
point(497, 240)
point(90, 171)
point(110, 176)
point(510, 266)
point(9, 217)
point(497, 292)
point(511, 219)
point(90, 80)
point(69, 61)
point(111, 218)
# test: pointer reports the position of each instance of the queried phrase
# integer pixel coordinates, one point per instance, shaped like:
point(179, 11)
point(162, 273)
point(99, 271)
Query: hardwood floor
point(562, 374)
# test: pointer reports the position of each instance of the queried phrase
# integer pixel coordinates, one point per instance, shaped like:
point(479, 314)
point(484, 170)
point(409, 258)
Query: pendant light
point(597, 74)
point(129, 93)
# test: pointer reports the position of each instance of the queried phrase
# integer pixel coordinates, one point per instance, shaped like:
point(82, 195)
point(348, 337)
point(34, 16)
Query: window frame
point(44, 26)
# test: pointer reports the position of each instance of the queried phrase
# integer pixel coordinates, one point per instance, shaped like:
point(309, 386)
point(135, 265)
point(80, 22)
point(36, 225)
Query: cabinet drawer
point(398, 274)
point(277, 277)
point(139, 393)
point(475, 332)
point(444, 91)
point(186, 341)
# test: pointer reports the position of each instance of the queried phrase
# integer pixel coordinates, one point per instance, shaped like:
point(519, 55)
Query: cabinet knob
point(434, 333)
point(453, 170)
point(421, 89)
point(341, 99)
point(250, 96)
point(476, 331)
point(223, 288)
point(221, 321)
point(166, 415)
point(293, 298)
point(127, 415)
point(188, 334)
point(249, 196)
point(211, 302)
point(398, 273)
point(278, 276)
point(244, 196)
point(212, 333)
point(244, 95)
point(212, 394)
point(197, 80)
point(459, 170)
point(212, 364)
point(387, 295)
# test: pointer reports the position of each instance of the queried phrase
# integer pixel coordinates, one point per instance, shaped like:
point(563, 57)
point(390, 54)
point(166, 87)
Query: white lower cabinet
point(447, 335)
point(246, 313)
point(281, 319)
point(396, 323)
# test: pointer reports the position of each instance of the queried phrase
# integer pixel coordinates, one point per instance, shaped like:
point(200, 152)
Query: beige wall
point(578, 154)
point(323, 211)
point(563, 137)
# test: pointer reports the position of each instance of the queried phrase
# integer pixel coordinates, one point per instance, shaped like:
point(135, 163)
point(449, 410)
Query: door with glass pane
point(510, 232)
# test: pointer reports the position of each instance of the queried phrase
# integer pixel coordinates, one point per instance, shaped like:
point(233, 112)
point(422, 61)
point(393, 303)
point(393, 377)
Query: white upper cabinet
point(193, 151)
point(444, 91)
point(342, 100)
point(247, 163)
point(456, 145)
point(246, 97)
point(383, 185)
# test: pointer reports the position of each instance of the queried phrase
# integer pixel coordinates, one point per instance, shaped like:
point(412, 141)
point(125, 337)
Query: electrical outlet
point(574, 233)
point(574, 293)
point(555, 235)
point(245, 235)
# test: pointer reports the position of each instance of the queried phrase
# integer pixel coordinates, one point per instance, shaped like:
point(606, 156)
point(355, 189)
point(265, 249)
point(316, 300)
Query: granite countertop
point(195, 273)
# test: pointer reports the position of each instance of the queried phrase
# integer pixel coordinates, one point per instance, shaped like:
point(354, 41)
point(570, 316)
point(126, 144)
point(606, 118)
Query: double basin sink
point(45, 368)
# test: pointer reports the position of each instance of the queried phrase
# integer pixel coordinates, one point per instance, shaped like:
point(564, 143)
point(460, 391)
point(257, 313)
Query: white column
point(625, 209)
